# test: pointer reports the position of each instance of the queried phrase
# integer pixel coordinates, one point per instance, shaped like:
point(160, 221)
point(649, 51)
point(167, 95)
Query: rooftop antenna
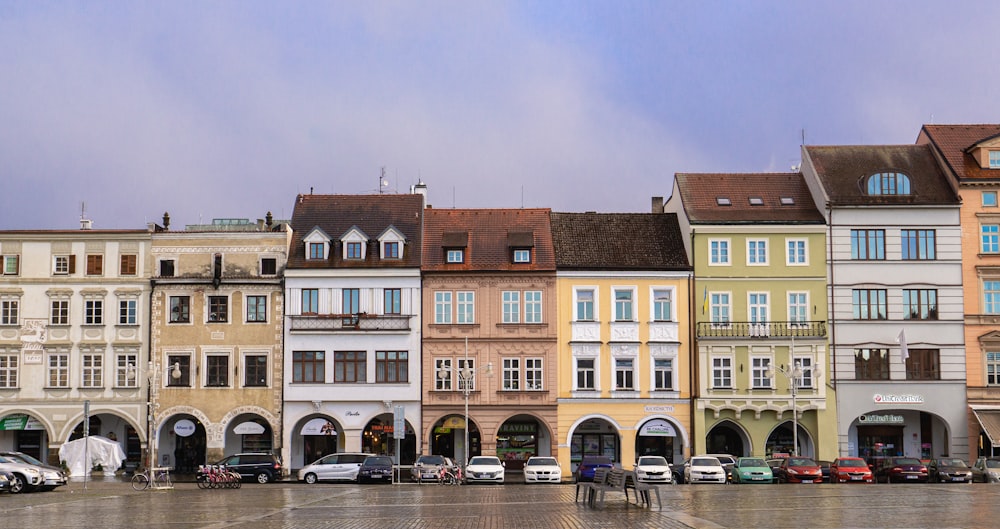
point(382, 182)
point(803, 131)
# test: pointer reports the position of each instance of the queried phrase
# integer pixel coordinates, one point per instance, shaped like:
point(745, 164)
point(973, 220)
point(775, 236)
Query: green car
point(752, 470)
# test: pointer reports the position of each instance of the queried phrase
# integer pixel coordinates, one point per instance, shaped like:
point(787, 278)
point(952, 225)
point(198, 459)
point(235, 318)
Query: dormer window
point(317, 250)
point(888, 184)
point(520, 244)
point(355, 245)
point(391, 250)
point(391, 243)
point(994, 159)
point(456, 256)
point(522, 256)
point(352, 250)
point(454, 245)
point(723, 201)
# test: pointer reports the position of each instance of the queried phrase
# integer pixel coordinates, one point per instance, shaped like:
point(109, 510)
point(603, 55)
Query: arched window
point(888, 184)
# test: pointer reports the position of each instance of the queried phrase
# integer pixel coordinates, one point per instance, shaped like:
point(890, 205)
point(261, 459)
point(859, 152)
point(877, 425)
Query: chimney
point(420, 189)
point(86, 224)
point(269, 220)
point(657, 204)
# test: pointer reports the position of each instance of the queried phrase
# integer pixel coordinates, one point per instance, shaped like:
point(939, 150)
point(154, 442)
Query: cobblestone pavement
point(113, 504)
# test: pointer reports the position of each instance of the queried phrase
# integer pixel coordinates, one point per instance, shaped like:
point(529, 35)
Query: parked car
point(775, 464)
point(799, 470)
point(24, 478)
point(539, 469)
point(949, 470)
point(342, 466)
point(752, 470)
point(375, 468)
point(585, 470)
point(428, 468)
point(5, 478)
point(850, 470)
point(727, 461)
point(484, 468)
point(704, 469)
point(653, 469)
point(902, 470)
point(261, 467)
point(986, 470)
point(52, 476)
point(677, 471)
point(824, 468)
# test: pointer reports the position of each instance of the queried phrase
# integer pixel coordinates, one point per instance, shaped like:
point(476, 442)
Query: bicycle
point(450, 476)
point(141, 480)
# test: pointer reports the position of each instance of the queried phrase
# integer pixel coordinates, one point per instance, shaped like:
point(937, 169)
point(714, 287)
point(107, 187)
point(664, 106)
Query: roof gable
point(746, 198)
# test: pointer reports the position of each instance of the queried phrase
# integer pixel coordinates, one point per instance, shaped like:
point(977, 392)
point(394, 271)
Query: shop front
point(659, 437)
point(522, 437)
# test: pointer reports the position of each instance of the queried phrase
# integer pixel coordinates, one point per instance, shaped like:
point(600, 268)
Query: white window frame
point(595, 373)
point(9, 363)
point(808, 366)
point(130, 304)
point(455, 255)
point(465, 307)
point(792, 308)
point(993, 159)
point(95, 369)
point(593, 304)
point(722, 370)
point(756, 247)
point(534, 374)
point(93, 311)
point(10, 309)
point(511, 373)
point(655, 371)
point(510, 309)
point(628, 372)
point(792, 247)
point(759, 366)
point(724, 308)
point(630, 304)
point(126, 362)
point(11, 265)
point(722, 247)
point(532, 307)
point(59, 315)
point(758, 312)
point(522, 255)
point(60, 265)
point(443, 365)
point(57, 367)
point(654, 293)
point(443, 307)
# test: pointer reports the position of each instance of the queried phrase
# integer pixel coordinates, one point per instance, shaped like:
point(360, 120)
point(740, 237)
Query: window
point(663, 374)
point(994, 159)
point(455, 256)
point(871, 364)
point(624, 374)
point(218, 309)
point(59, 313)
point(584, 305)
point(868, 245)
point(257, 309)
point(585, 374)
point(353, 250)
point(93, 312)
point(95, 264)
point(393, 302)
point(317, 250)
point(442, 374)
point(126, 375)
point(255, 370)
point(533, 306)
point(268, 266)
point(442, 308)
point(178, 370)
point(391, 250)
point(756, 252)
point(511, 374)
point(662, 309)
point(128, 265)
point(718, 252)
point(92, 370)
point(351, 303)
point(10, 309)
point(719, 306)
point(467, 364)
point(60, 265)
point(310, 301)
point(217, 370)
point(623, 305)
point(58, 370)
point(991, 297)
point(180, 309)
point(11, 265)
point(796, 253)
point(918, 244)
point(522, 256)
point(758, 372)
point(923, 364)
point(349, 366)
point(533, 374)
point(888, 184)
point(392, 366)
point(798, 307)
point(308, 366)
point(991, 238)
point(990, 198)
point(807, 377)
point(466, 305)
point(166, 268)
point(511, 306)
point(722, 372)
point(992, 369)
point(757, 305)
point(919, 304)
point(8, 370)
point(869, 304)
point(127, 311)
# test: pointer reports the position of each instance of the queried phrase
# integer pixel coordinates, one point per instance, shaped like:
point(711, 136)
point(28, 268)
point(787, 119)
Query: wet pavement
point(289, 505)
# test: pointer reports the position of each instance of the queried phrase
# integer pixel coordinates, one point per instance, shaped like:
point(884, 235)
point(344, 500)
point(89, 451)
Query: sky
point(229, 109)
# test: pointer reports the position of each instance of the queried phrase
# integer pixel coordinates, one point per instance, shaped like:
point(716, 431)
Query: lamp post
point(794, 374)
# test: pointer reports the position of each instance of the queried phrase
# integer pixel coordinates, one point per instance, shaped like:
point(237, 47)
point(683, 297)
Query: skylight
point(723, 201)
point(787, 201)
point(756, 201)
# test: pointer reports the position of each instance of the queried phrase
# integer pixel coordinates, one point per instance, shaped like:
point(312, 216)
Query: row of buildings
point(847, 308)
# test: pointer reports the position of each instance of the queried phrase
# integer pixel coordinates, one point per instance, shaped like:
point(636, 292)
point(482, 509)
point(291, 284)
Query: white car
point(704, 469)
point(340, 466)
point(653, 469)
point(542, 470)
point(484, 468)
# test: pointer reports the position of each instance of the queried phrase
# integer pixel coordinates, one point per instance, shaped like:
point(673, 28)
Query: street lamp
point(465, 376)
point(794, 374)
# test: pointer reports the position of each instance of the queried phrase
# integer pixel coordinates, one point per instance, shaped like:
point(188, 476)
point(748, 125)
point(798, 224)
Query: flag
point(704, 301)
point(904, 351)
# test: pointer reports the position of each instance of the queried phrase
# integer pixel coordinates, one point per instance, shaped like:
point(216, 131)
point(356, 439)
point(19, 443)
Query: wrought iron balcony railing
point(770, 329)
point(350, 322)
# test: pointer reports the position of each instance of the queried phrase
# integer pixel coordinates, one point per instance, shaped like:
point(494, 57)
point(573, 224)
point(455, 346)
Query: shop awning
point(248, 428)
point(318, 426)
point(989, 421)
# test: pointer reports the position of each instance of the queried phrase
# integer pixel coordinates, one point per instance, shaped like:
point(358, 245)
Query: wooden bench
point(600, 478)
point(615, 482)
point(642, 490)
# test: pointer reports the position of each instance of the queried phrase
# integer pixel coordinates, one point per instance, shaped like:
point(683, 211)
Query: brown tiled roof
point(952, 141)
point(372, 214)
point(700, 194)
point(618, 241)
point(487, 235)
point(842, 170)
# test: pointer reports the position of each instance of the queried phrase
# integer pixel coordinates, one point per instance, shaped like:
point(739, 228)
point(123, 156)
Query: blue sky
point(230, 109)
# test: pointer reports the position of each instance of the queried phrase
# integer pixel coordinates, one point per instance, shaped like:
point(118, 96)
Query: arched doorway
point(117, 429)
point(314, 437)
point(658, 437)
point(448, 438)
point(379, 438)
point(781, 442)
point(594, 437)
point(249, 432)
point(182, 441)
point(521, 437)
point(727, 437)
point(25, 433)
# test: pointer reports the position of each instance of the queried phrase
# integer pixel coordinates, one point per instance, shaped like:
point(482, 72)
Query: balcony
point(762, 330)
point(350, 322)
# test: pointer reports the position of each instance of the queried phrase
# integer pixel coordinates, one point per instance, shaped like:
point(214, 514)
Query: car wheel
point(263, 477)
point(310, 478)
point(17, 485)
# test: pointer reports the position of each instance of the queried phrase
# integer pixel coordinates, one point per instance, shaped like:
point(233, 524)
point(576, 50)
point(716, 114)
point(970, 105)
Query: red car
point(850, 470)
point(901, 470)
point(799, 470)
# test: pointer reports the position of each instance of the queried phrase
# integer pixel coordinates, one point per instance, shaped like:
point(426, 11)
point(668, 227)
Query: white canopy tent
point(100, 450)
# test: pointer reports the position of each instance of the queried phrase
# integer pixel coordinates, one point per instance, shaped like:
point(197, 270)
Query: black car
point(260, 467)
point(375, 468)
point(949, 470)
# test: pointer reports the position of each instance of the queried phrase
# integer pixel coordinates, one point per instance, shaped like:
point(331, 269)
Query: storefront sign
point(888, 398)
point(659, 428)
point(873, 418)
point(318, 426)
point(457, 423)
point(658, 409)
point(248, 428)
point(516, 428)
point(184, 428)
point(20, 421)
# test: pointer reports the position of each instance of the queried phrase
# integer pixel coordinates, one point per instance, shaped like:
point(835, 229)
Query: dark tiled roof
point(842, 171)
point(755, 198)
point(372, 214)
point(618, 241)
point(487, 235)
point(952, 141)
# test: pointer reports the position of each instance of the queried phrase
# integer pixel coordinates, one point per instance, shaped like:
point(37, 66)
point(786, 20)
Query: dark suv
point(260, 467)
point(585, 470)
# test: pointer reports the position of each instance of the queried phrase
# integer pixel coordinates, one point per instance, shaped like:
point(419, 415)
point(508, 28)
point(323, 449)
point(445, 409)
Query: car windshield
point(951, 463)
point(27, 459)
point(542, 461)
point(431, 460)
point(906, 461)
point(801, 462)
point(483, 460)
point(652, 461)
point(852, 463)
point(378, 460)
point(705, 462)
point(752, 463)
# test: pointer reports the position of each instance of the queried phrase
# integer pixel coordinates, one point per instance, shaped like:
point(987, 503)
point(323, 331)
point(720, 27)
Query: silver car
point(52, 477)
point(428, 468)
point(24, 478)
point(340, 466)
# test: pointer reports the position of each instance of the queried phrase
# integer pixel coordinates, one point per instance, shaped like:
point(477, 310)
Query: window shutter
point(72, 264)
